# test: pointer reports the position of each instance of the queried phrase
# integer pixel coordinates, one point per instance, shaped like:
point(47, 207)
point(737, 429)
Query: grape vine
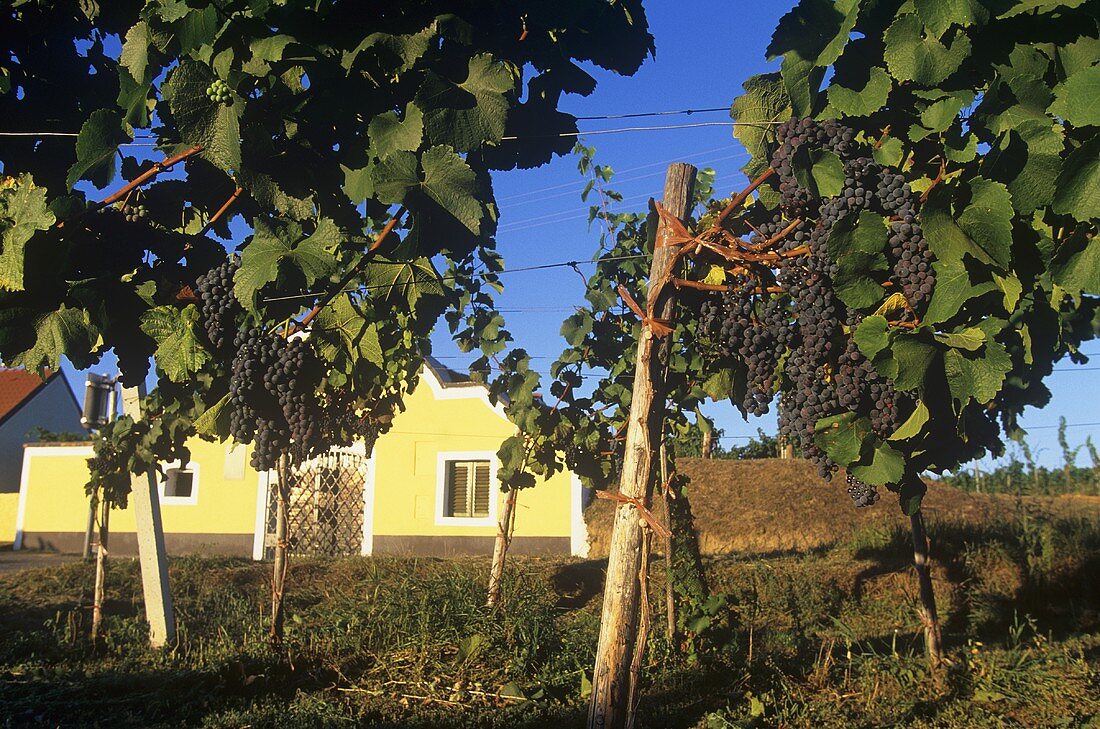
point(307, 141)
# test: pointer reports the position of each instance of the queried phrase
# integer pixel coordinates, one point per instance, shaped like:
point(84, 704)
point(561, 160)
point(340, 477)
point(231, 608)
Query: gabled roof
point(448, 377)
point(17, 387)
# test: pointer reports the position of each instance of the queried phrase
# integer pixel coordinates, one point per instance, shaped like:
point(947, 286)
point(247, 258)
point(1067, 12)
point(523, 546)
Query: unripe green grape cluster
point(219, 92)
point(133, 213)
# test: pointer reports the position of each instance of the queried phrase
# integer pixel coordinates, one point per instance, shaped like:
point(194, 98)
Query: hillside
point(773, 505)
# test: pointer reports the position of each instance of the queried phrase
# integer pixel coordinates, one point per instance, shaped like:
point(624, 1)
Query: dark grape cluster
point(862, 494)
point(272, 398)
point(219, 307)
point(825, 372)
point(755, 329)
point(219, 92)
point(802, 135)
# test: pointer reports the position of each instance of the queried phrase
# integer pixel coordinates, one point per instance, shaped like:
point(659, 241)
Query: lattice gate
point(325, 511)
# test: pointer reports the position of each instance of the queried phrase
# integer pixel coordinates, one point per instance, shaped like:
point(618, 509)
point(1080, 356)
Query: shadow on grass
point(1043, 567)
point(578, 583)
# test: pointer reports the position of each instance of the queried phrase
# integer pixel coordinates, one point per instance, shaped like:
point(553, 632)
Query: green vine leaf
point(912, 357)
point(1077, 99)
point(1041, 6)
point(1076, 265)
point(448, 185)
point(802, 81)
point(1027, 159)
point(872, 336)
point(67, 331)
point(179, 354)
point(912, 56)
point(864, 101)
point(214, 125)
point(982, 229)
point(470, 113)
point(214, 421)
point(842, 436)
point(856, 244)
point(1078, 188)
point(939, 16)
point(976, 377)
point(953, 289)
point(277, 242)
point(389, 134)
point(817, 30)
point(887, 466)
point(96, 149)
point(406, 281)
point(343, 331)
point(763, 104)
point(911, 495)
point(23, 212)
point(913, 425)
point(134, 56)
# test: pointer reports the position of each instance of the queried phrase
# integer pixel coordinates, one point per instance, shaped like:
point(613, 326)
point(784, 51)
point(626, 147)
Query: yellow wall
point(56, 501)
point(8, 505)
point(405, 479)
point(406, 468)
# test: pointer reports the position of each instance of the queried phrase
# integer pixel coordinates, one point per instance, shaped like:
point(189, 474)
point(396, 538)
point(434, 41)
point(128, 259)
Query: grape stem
point(743, 195)
point(937, 180)
point(698, 285)
point(221, 211)
point(885, 134)
point(158, 167)
point(342, 284)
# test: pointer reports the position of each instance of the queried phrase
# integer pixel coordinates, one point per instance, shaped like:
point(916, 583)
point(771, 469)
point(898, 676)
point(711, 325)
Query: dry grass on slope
point(774, 505)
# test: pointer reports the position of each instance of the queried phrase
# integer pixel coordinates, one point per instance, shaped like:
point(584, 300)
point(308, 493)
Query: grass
point(823, 637)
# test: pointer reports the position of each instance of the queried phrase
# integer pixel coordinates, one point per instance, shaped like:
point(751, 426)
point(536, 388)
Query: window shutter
point(481, 488)
point(458, 498)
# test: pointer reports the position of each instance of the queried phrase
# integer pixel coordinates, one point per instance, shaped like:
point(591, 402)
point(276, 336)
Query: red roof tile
point(16, 386)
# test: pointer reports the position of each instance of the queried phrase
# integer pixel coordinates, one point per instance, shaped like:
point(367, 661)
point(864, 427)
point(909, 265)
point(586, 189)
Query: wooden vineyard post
point(708, 443)
point(282, 546)
point(615, 675)
point(100, 566)
point(670, 590)
point(933, 638)
point(150, 539)
point(500, 548)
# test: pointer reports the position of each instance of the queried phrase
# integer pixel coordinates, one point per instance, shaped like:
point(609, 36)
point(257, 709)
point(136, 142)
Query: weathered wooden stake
point(282, 547)
point(613, 680)
point(708, 443)
point(670, 588)
point(100, 567)
point(933, 638)
point(150, 538)
point(505, 525)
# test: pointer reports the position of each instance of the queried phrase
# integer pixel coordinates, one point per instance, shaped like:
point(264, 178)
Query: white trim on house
point(368, 509)
point(25, 478)
point(162, 484)
point(263, 484)
point(578, 530)
point(442, 457)
point(462, 392)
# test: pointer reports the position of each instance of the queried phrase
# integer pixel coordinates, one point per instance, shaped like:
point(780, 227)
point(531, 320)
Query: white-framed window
point(466, 488)
point(180, 484)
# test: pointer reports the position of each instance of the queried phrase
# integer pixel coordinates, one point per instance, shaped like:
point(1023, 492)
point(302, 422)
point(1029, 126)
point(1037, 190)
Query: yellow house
point(428, 487)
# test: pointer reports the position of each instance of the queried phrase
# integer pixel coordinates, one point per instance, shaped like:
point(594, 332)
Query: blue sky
point(705, 49)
